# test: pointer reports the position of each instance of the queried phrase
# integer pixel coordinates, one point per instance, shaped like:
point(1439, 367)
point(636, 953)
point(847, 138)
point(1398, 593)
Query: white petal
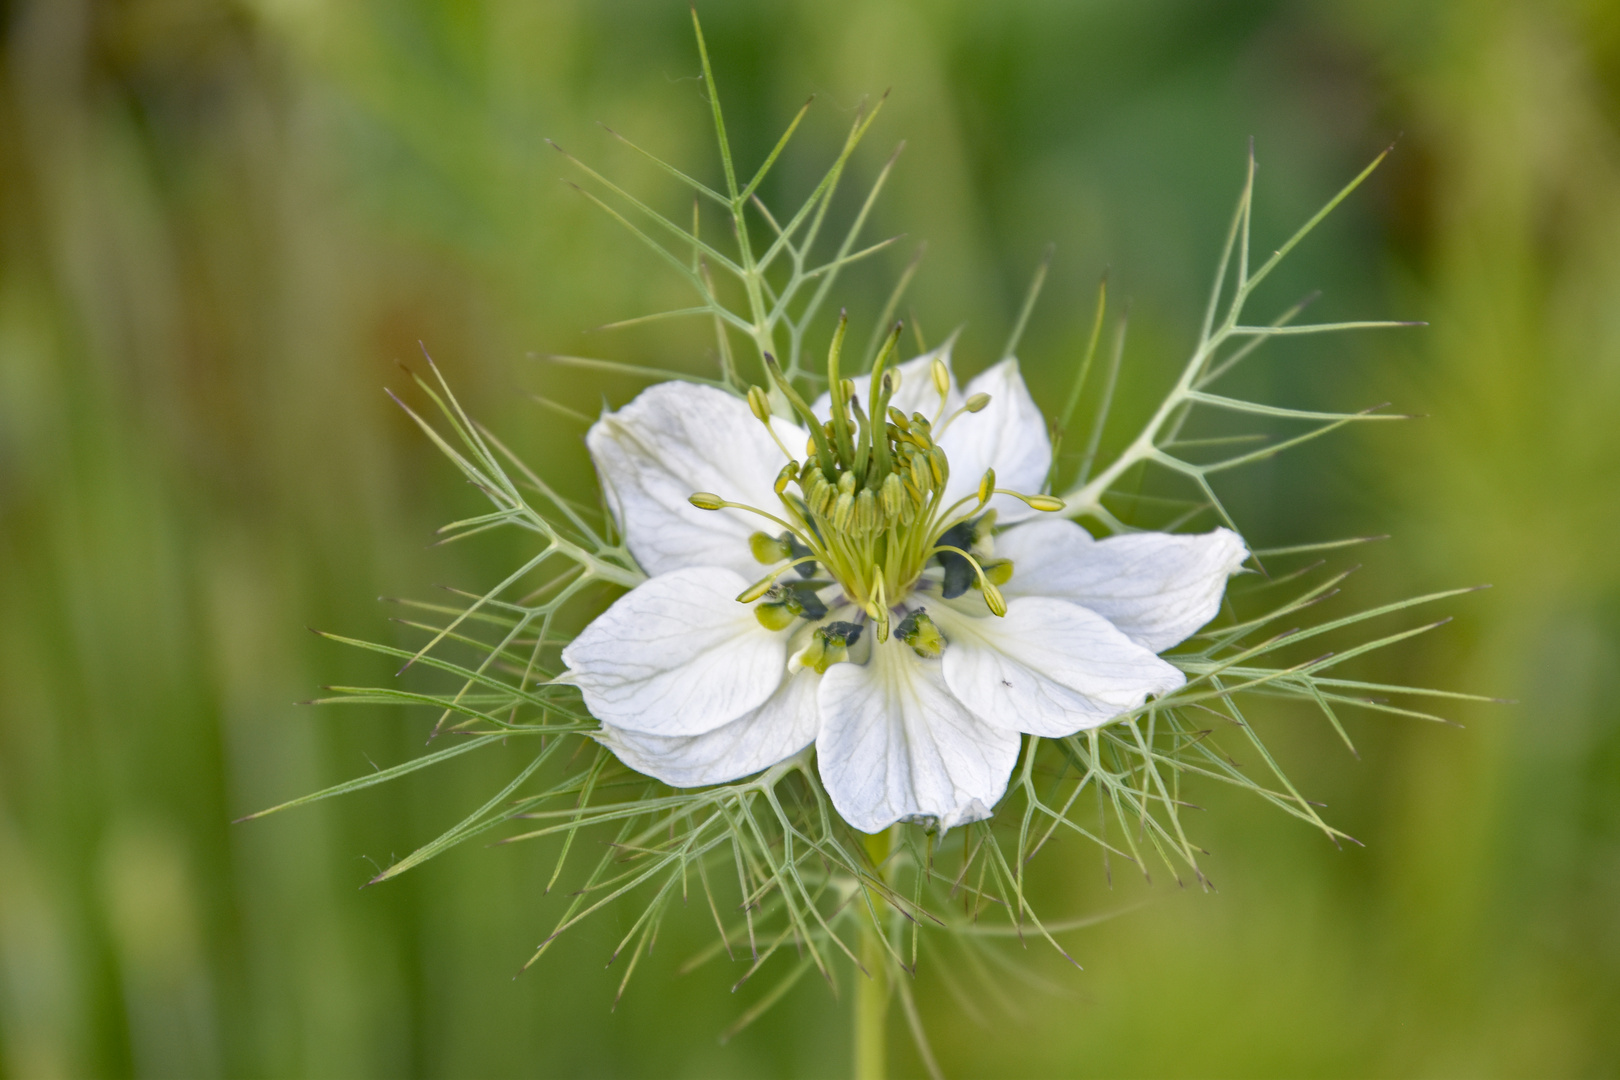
point(1048, 667)
point(677, 438)
point(917, 393)
point(677, 655)
point(1157, 587)
point(778, 729)
point(1008, 435)
point(894, 744)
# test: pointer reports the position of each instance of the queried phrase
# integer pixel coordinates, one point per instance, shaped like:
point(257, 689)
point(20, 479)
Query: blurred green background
point(221, 225)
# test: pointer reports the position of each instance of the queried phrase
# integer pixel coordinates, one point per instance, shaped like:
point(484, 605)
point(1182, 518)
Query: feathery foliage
point(776, 869)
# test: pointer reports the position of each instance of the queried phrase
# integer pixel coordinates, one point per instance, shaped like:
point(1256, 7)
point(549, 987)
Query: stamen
point(866, 513)
point(997, 571)
point(976, 403)
point(878, 609)
point(868, 502)
point(893, 496)
point(843, 510)
point(760, 402)
point(764, 584)
point(708, 500)
point(992, 595)
point(1048, 503)
point(942, 383)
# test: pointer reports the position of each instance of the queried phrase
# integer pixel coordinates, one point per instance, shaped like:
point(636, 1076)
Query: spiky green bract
point(786, 882)
point(1158, 442)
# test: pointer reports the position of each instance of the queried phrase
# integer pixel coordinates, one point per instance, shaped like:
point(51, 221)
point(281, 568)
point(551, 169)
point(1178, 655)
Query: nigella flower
point(921, 605)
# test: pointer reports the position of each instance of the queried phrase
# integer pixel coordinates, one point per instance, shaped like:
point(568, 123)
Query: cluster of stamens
point(866, 505)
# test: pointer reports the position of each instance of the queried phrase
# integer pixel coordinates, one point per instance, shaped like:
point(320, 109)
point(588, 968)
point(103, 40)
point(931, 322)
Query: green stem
point(872, 989)
point(871, 1009)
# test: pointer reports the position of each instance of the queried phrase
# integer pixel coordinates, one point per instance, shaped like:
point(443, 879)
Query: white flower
point(918, 612)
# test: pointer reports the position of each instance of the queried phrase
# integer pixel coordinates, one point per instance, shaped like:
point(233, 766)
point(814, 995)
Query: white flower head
point(918, 610)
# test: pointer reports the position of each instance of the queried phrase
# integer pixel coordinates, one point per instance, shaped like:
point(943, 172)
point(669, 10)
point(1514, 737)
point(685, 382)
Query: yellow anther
point(987, 485)
point(938, 466)
point(866, 513)
point(810, 447)
point(756, 590)
point(977, 402)
point(789, 473)
point(920, 476)
point(843, 509)
point(942, 377)
point(894, 496)
point(760, 403)
point(846, 484)
point(706, 500)
point(1048, 503)
point(825, 495)
point(898, 419)
point(993, 597)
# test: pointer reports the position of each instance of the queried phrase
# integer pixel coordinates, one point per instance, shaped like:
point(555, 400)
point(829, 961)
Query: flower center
point(866, 505)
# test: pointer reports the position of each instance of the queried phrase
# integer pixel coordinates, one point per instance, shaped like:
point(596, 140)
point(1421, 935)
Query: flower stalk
point(872, 986)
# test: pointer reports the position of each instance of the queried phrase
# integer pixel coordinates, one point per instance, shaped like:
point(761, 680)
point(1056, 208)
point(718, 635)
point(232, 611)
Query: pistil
point(868, 508)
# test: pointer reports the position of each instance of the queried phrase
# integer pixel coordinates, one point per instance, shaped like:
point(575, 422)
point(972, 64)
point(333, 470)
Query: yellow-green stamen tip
point(756, 590)
point(1049, 503)
point(977, 402)
point(706, 500)
point(760, 403)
